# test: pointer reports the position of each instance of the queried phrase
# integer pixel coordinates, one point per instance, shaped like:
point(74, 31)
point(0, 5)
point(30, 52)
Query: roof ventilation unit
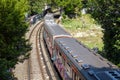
point(91, 72)
point(74, 55)
point(66, 48)
point(79, 60)
point(114, 75)
point(85, 66)
point(70, 51)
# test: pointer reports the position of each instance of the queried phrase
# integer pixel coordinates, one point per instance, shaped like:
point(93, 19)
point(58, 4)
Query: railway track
point(39, 64)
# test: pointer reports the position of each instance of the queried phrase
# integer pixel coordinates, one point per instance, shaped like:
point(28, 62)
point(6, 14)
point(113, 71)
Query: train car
point(52, 31)
point(73, 60)
point(80, 63)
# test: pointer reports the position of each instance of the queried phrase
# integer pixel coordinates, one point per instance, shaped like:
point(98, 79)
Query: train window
point(73, 75)
point(60, 57)
point(46, 34)
point(60, 54)
point(48, 39)
point(79, 78)
point(54, 57)
point(67, 67)
point(63, 60)
point(76, 77)
point(68, 64)
point(70, 72)
point(57, 51)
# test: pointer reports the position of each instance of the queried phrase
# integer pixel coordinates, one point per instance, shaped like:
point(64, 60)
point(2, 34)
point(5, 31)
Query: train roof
point(54, 29)
point(49, 16)
point(90, 64)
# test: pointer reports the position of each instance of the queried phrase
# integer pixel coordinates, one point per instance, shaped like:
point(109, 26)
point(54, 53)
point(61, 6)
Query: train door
point(49, 43)
point(54, 56)
point(63, 69)
point(67, 71)
point(45, 35)
point(60, 63)
point(57, 58)
point(76, 76)
point(73, 75)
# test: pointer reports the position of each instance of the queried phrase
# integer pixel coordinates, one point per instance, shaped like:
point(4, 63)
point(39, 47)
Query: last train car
point(73, 60)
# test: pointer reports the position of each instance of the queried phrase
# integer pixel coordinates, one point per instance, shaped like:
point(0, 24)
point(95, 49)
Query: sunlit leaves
point(12, 30)
point(107, 13)
point(70, 6)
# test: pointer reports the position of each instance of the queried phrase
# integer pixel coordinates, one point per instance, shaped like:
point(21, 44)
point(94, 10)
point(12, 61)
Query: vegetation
point(13, 27)
point(85, 30)
point(107, 13)
point(37, 6)
point(12, 41)
point(70, 7)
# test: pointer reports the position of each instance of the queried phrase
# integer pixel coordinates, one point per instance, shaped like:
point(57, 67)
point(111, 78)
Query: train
point(72, 59)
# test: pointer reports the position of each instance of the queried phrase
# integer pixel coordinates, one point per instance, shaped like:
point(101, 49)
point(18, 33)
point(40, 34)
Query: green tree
point(107, 13)
point(37, 6)
point(12, 40)
point(71, 7)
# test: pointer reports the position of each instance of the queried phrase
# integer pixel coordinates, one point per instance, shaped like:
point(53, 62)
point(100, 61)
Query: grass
point(85, 30)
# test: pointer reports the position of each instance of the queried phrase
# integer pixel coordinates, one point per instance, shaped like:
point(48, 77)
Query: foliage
point(107, 13)
point(12, 29)
point(37, 6)
point(70, 7)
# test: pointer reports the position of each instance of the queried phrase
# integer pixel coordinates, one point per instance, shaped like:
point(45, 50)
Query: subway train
point(72, 59)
